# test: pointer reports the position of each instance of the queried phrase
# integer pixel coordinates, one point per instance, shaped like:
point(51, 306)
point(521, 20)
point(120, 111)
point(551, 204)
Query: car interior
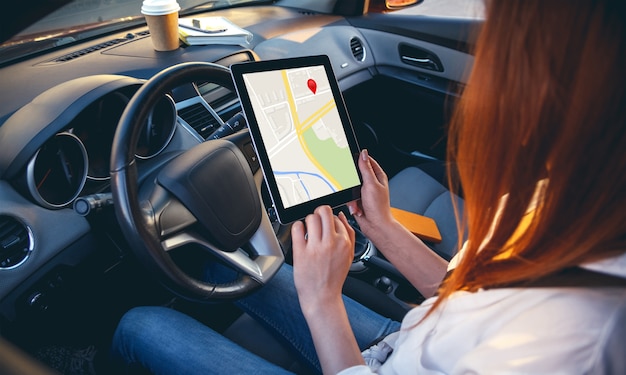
point(89, 225)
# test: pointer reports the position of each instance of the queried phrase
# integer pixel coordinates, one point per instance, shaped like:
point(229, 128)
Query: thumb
point(371, 171)
point(367, 173)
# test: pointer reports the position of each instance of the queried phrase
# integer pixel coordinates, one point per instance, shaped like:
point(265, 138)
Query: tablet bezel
point(336, 199)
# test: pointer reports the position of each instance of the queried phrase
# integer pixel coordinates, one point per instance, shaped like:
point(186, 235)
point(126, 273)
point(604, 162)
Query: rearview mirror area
point(396, 4)
point(383, 6)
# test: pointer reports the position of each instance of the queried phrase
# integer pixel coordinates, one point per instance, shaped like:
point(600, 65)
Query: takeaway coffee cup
point(162, 19)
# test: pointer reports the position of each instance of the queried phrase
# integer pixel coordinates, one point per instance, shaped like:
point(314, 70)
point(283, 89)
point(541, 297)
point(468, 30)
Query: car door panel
point(421, 64)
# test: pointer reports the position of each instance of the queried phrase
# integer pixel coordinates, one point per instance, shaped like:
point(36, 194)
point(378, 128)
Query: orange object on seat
point(421, 226)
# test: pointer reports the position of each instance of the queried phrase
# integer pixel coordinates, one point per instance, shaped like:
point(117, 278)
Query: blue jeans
point(165, 341)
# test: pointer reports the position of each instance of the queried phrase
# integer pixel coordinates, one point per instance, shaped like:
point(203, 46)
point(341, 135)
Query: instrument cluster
point(57, 173)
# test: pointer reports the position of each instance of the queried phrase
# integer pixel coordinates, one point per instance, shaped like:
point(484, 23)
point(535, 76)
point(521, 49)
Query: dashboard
point(59, 113)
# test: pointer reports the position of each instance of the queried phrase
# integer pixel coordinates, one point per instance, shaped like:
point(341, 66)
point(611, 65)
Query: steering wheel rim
point(142, 220)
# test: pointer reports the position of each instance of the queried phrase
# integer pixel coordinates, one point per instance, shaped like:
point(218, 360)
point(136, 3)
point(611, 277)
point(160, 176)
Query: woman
point(538, 140)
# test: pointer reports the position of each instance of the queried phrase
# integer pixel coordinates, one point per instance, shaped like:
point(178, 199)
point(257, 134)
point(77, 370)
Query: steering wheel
point(206, 196)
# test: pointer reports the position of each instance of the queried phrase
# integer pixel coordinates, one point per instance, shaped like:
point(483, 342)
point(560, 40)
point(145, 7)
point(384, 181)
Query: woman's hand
point(372, 210)
point(322, 255)
point(421, 266)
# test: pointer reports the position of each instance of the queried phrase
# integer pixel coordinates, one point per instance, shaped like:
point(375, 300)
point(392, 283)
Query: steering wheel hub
point(214, 182)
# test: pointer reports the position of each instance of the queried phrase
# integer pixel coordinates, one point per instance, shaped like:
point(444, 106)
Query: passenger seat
point(412, 189)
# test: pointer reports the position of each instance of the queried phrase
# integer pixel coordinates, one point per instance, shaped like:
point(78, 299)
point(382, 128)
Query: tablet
point(301, 133)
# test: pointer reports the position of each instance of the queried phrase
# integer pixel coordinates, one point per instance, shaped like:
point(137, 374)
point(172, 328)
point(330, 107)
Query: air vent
point(227, 106)
point(16, 242)
point(83, 52)
point(308, 13)
point(97, 47)
point(356, 46)
point(224, 101)
point(199, 118)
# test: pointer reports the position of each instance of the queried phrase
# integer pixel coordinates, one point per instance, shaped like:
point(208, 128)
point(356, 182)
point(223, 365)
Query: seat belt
point(571, 277)
point(568, 278)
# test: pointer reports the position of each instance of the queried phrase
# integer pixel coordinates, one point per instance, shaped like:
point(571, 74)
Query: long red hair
point(546, 101)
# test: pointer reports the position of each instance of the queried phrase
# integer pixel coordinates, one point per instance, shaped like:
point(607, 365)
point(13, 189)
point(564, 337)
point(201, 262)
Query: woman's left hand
point(322, 255)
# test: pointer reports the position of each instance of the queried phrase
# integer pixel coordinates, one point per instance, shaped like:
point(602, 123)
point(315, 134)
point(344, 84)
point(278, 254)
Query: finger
point(378, 171)
point(313, 226)
point(344, 221)
point(354, 209)
point(297, 235)
point(367, 173)
point(327, 220)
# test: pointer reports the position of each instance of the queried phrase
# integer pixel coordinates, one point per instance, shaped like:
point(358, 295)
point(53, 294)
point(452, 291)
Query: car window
point(473, 9)
point(82, 19)
point(93, 12)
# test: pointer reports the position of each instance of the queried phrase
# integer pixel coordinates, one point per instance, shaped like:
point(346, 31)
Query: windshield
point(82, 19)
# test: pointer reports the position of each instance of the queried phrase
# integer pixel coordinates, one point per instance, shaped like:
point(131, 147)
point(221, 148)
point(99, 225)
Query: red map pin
point(312, 85)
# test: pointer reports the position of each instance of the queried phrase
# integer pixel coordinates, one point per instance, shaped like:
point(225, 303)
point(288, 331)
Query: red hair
point(544, 101)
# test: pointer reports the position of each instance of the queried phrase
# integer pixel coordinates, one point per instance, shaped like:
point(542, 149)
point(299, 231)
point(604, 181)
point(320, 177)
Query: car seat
point(415, 189)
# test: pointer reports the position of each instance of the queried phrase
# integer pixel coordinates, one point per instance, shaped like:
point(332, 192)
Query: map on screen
point(302, 133)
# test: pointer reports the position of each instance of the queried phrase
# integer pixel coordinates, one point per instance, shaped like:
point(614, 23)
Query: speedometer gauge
point(57, 172)
point(95, 127)
point(158, 130)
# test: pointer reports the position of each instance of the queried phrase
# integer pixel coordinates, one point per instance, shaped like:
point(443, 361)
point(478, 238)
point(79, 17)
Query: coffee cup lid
point(159, 7)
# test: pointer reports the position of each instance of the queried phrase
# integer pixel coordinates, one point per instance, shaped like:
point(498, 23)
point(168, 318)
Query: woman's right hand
point(372, 211)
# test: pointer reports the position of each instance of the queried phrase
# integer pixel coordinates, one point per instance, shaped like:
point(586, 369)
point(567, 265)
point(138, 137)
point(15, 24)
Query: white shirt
point(516, 331)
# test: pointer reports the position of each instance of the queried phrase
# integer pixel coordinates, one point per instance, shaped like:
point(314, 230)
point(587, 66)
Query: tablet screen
point(301, 132)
